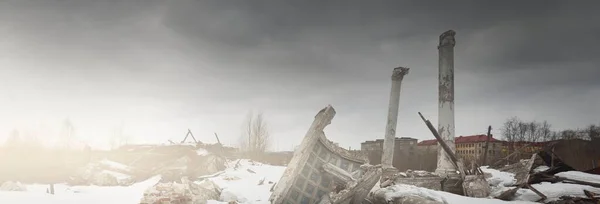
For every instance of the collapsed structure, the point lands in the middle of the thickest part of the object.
(321, 171)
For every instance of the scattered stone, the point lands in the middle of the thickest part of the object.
(476, 187)
(185, 192)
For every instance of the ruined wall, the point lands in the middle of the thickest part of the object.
(579, 154)
(405, 153)
(312, 184)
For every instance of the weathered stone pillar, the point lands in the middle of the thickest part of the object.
(390, 130)
(446, 101)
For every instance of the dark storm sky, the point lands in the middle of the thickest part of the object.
(160, 67)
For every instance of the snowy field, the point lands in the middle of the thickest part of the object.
(242, 185)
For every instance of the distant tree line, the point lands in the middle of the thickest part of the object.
(517, 130)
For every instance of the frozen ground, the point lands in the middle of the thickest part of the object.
(78, 194)
(500, 181)
(237, 184)
(580, 176)
(405, 190)
(242, 184)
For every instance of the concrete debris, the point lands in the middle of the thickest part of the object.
(423, 179)
(12, 186)
(310, 174)
(357, 191)
(103, 173)
(476, 186)
(404, 194)
(412, 174)
(135, 163)
(186, 192)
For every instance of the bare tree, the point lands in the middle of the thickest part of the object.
(545, 131)
(568, 134)
(255, 134)
(532, 131)
(522, 130)
(510, 130)
(260, 139)
(245, 138)
(118, 138)
(593, 132)
(68, 134)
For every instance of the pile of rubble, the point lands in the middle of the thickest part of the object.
(131, 164)
(183, 192)
(103, 173)
(547, 168)
(178, 165)
(12, 186)
(322, 173)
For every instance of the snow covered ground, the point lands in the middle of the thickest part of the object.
(242, 184)
(239, 184)
(78, 194)
(500, 181)
(408, 190)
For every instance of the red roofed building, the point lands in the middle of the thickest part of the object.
(470, 148)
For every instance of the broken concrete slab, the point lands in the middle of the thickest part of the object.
(303, 180)
(476, 186)
(423, 179)
(357, 189)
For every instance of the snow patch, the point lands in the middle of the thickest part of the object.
(580, 176)
(499, 178)
(202, 152)
(540, 169)
(554, 191)
(242, 186)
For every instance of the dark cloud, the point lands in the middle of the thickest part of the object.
(191, 61)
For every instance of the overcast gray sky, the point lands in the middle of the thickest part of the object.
(160, 67)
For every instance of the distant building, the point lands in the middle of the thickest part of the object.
(405, 152)
(469, 148)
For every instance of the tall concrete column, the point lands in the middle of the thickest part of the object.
(446, 101)
(387, 157)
